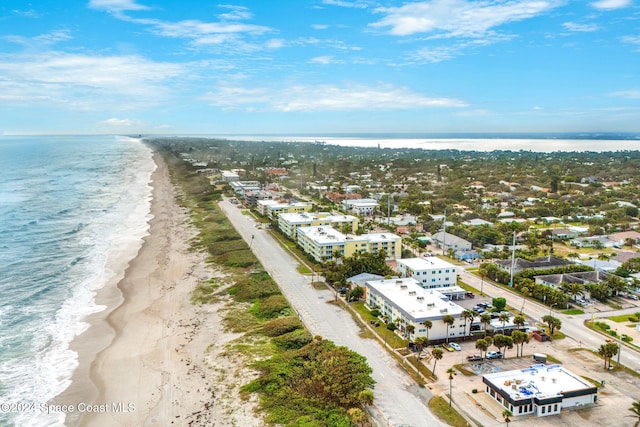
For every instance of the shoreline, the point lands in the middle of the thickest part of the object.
(151, 357)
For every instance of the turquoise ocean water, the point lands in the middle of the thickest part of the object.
(73, 212)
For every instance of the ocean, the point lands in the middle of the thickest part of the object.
(73, 213)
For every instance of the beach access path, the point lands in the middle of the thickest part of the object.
(398, 399)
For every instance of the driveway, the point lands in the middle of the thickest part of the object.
(398, 400)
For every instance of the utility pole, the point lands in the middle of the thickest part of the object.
(444, 232)
(513, 259)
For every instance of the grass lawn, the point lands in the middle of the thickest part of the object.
(440, 408)
(623, 318)
(573, 311)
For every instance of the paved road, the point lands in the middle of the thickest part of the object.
(397, 398)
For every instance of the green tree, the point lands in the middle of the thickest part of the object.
(428, 324)
(468, 316)
(451, 373)
(448, 320)
(502, 342)
(519, 339)
(499, 303)
(553, 323)
(519, 321)
(485, 319)
(503, 318)
(410, 329)
(421, 343)
(608, 351)
(437, 355)
(507, 414)
(482, 345)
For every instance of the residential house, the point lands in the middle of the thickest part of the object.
(447, 241)
(361, 207)
(289, 223)
(541, 263)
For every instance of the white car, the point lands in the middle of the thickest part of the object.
(455, 346)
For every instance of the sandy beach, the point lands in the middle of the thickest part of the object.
(154, 358)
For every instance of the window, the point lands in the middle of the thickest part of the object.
(544, 408)
(555, 408)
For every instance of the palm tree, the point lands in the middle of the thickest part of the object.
(635, 408)
(449, 320)
(451, 373)
(437, 355)
(485, 319)
(421, 343)
(519, 338)
(519, 321)
(503, 318)
(468, 315)
(482, 345)
(483, 273)
(410, 329)
(428, 324)
(506, 414)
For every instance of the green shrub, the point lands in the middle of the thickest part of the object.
(255, 286)
(293, 340)
(270, 307)
(375, 312)
(280, 326)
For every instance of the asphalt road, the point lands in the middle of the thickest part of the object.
(398, 400)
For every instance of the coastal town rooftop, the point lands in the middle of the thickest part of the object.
(539, 382)
(408, 296)
(430, 263)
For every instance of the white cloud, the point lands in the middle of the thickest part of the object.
(435, 54)
(628, 94)
(83, 82)
(634, 40)
(275, 43)
(611, 4)
(350, 4)
(580, 28)
(319, 26)
(236, 13)
(120, 123)
(460, 18)
(307, 98)
(116, 5)
(324, 60)
(54, 37)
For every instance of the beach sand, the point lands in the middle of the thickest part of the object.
(155, 358)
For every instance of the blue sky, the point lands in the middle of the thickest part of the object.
(319, 66)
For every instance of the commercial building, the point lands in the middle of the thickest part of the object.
(272, 210)
(406, 301)
(540, 390)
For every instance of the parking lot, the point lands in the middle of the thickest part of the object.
(620, 391)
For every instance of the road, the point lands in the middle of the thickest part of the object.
(398, 400)
(572, 325)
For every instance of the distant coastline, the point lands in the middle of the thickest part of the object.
(481, 142)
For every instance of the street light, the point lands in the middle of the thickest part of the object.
(619, 347)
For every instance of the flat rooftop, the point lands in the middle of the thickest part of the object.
(417, 302)
(539, 381)
(419, 264)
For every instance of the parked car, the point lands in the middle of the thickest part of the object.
(479, 310)
(474, 358)
(447, 347)
(455, 346)
(494, 355)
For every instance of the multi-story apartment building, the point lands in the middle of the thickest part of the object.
(289, 223)
(325, 243)
(407, 302)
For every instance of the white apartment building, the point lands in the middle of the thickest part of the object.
(361, 207)
(431, 272)
(323, 242)
(289, 223)
(406, 300)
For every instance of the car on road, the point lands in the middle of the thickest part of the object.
(455, 346)
(474, 358)
(494, 355)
